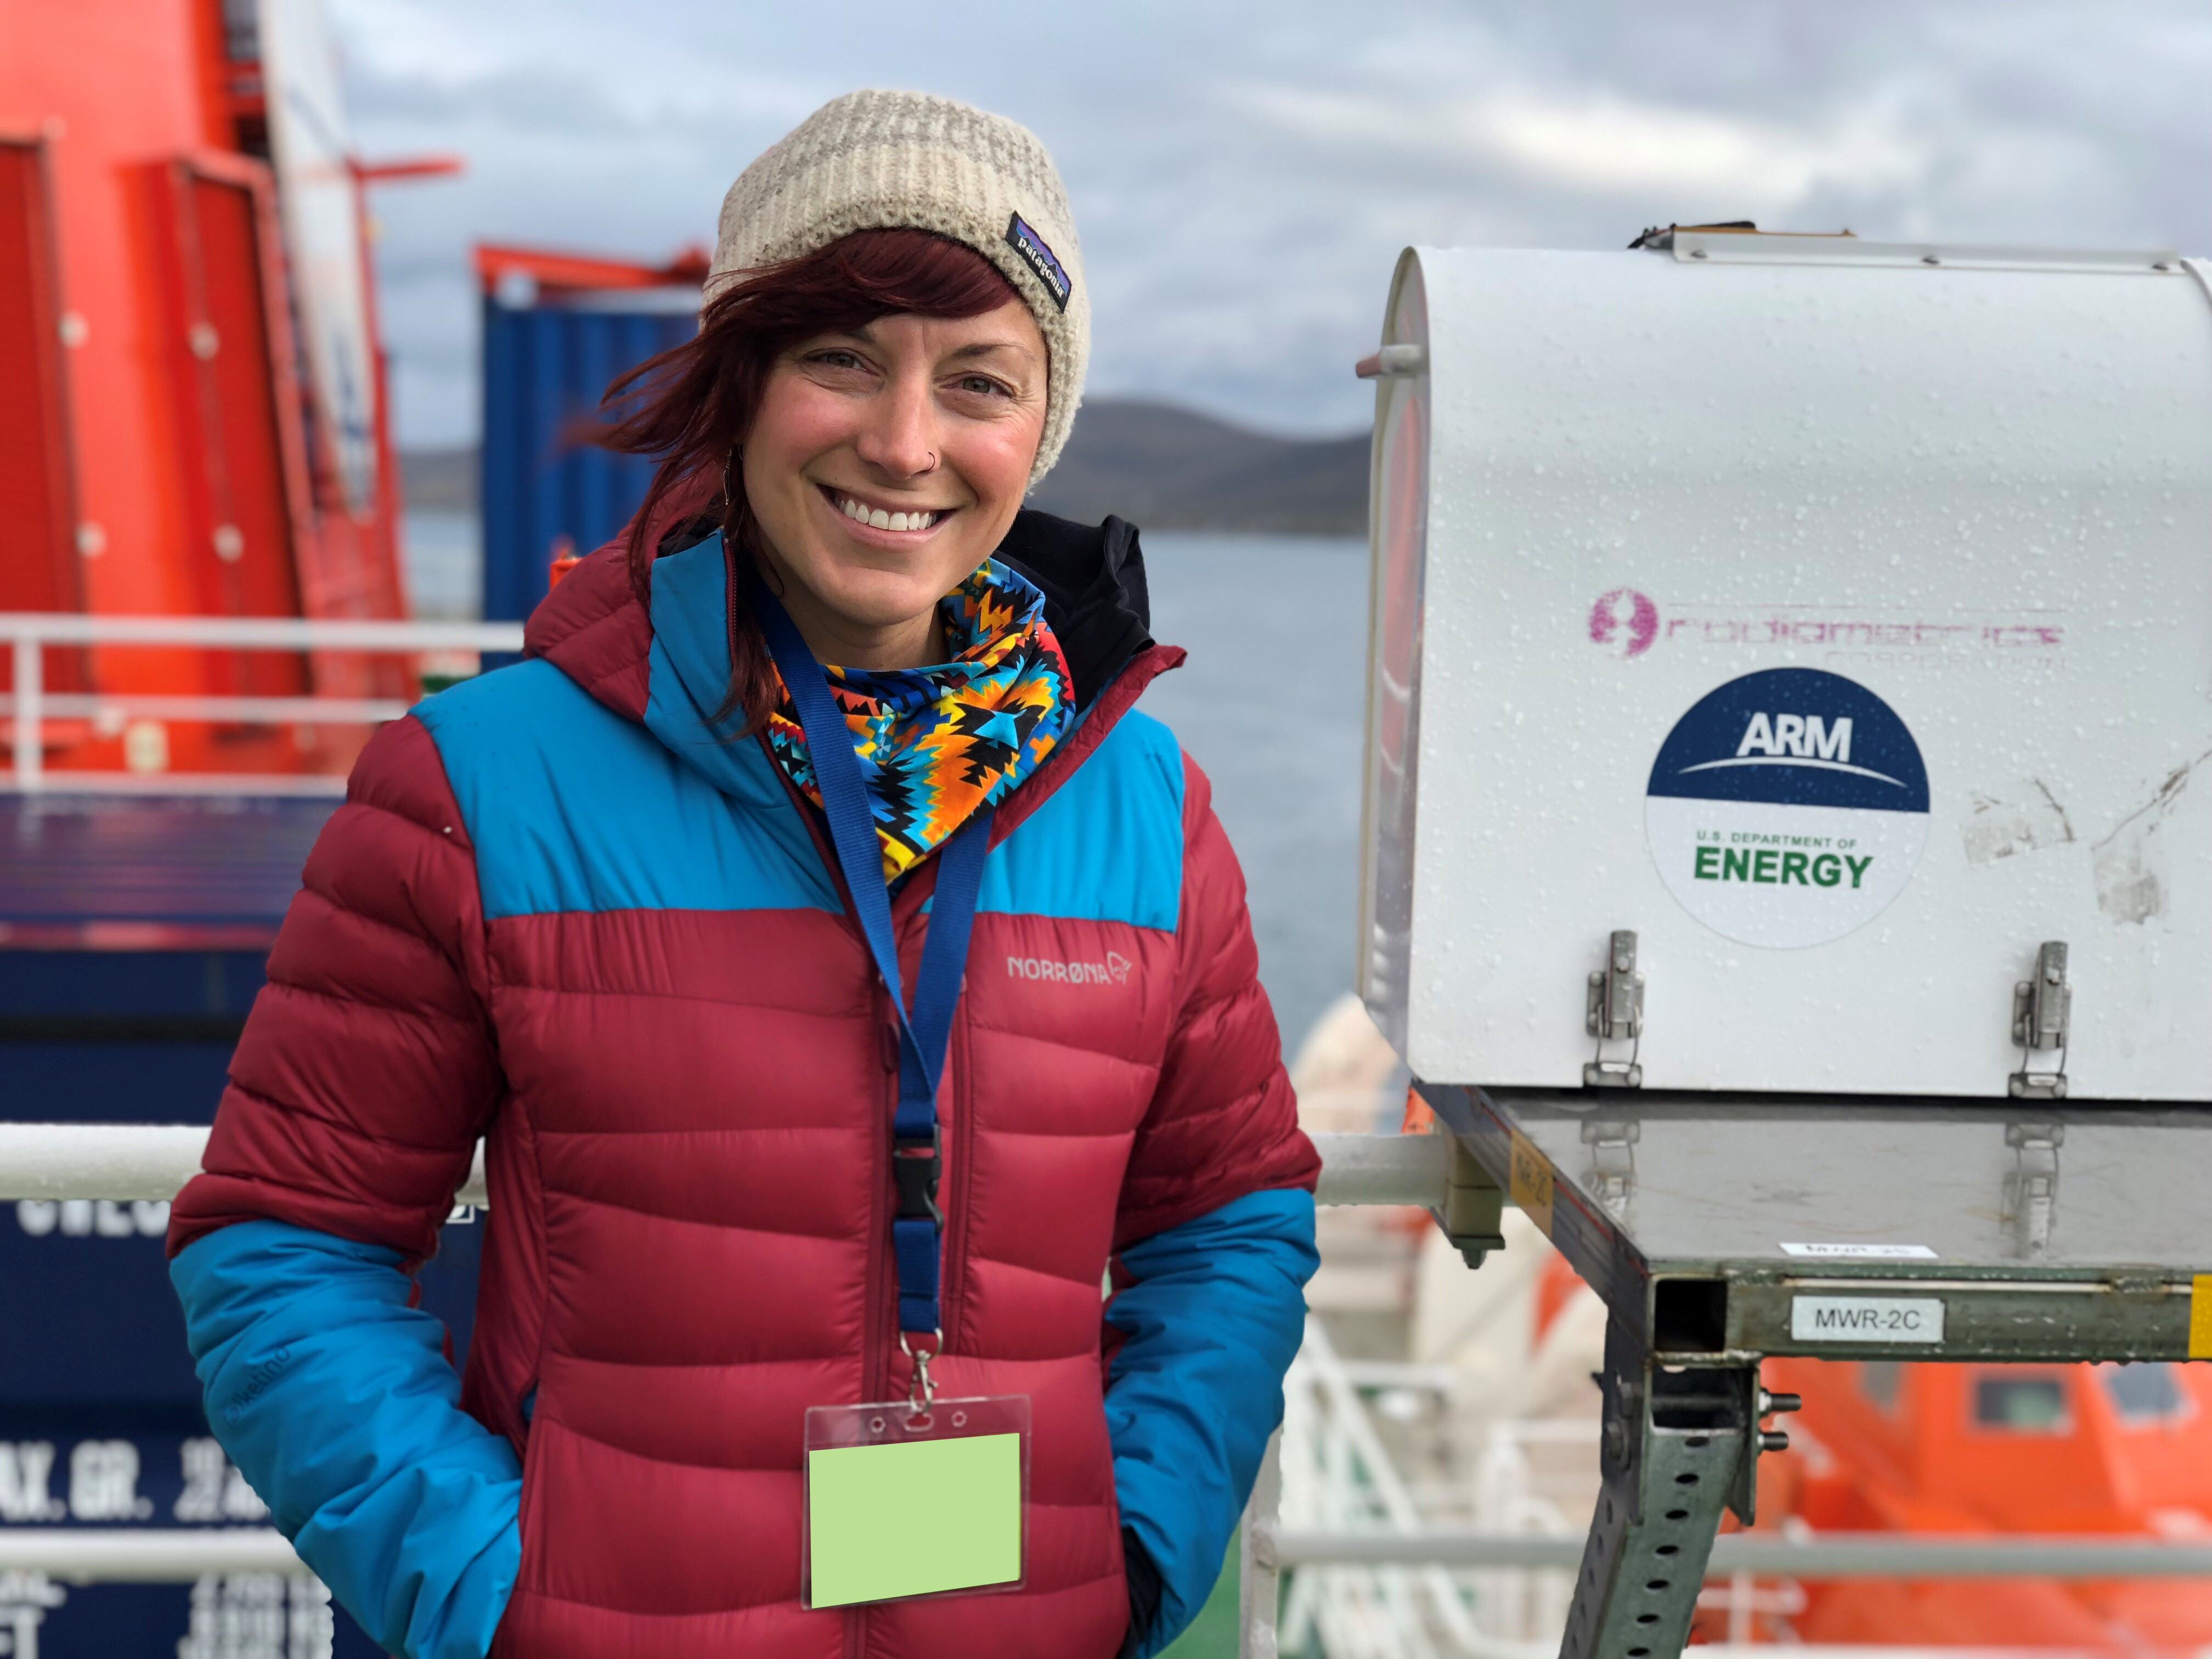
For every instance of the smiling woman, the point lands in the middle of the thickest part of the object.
(873, 413)
(789, 1339)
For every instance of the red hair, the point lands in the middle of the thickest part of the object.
(691, 407)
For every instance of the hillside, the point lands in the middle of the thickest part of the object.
(1165, 468)
(1159, 467)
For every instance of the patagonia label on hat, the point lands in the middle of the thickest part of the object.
(1031, 246)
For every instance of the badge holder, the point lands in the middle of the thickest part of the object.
(915, 1498)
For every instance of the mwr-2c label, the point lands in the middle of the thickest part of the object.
(1884, 1319)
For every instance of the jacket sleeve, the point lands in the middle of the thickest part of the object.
(365, 1074)
(335, 1400)
(1223, 1122)
(1212, 1312)
(1214, 1241)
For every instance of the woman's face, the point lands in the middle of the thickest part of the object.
(885, 464)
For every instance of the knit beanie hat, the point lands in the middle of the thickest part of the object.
(883, 160)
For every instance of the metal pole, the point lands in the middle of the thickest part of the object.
(121, 1161)
(137, 1160)
(88, 1555)
(30, 710)
(1411, 1170)
(1831, 1555)
(1259, 1591)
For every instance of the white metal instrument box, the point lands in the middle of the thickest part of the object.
(1833, 618)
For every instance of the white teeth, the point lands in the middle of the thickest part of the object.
(880, 519)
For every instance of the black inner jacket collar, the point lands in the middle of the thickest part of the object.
(1092, 577)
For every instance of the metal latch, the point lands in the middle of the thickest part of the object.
(1616, 1015)
(2042, 1018)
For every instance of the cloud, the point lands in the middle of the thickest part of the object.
(1244, 177)
(1614, 145)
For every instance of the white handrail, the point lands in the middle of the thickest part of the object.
(259, 633)
(144, 1555)
(119, 1162)
(74, 705)
(124, 1161)
(28, 633)
(1824, 1555)
(48, 1162)
(148, 1555)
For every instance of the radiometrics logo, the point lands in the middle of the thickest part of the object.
(1625, 620)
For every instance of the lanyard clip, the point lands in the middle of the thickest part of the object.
(922, 1392)
(915, 1166)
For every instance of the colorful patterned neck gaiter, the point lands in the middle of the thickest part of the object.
(937, 743)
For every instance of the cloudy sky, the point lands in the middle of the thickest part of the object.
(1244, 175)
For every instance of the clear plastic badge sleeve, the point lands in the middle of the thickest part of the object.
(904, 1501)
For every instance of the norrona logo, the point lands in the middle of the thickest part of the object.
(1115, 970)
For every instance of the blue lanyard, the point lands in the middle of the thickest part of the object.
(917, 1160)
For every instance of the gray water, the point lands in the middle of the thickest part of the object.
(1270, 705)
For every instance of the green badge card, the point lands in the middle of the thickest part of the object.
(902, 1503)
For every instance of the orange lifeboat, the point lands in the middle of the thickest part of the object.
(2114, 1449)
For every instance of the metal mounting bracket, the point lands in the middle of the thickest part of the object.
(1473, 1214)
(2042, 1018)
(1614, 1012)
(1680, 1444)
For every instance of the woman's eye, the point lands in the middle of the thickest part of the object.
(980, 384)
(837, 360)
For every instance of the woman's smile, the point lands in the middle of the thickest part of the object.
(882, 523)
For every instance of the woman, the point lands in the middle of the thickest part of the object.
(642, 911)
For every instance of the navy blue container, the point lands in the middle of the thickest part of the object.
(132, 940)
(547, 360)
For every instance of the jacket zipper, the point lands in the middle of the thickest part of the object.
(957, 1166)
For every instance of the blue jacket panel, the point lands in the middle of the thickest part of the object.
(336, 1400)
(1212, 1319)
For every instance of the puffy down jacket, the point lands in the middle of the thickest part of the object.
(557, 910)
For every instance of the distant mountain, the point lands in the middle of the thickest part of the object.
(1165, 468)
(1159, 467)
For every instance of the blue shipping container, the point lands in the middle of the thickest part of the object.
(546, 363)
(132, 936)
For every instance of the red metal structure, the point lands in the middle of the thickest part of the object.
(194, 420)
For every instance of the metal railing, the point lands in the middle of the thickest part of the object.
(125, 1160)
(1354, 1518)
(30, 705)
